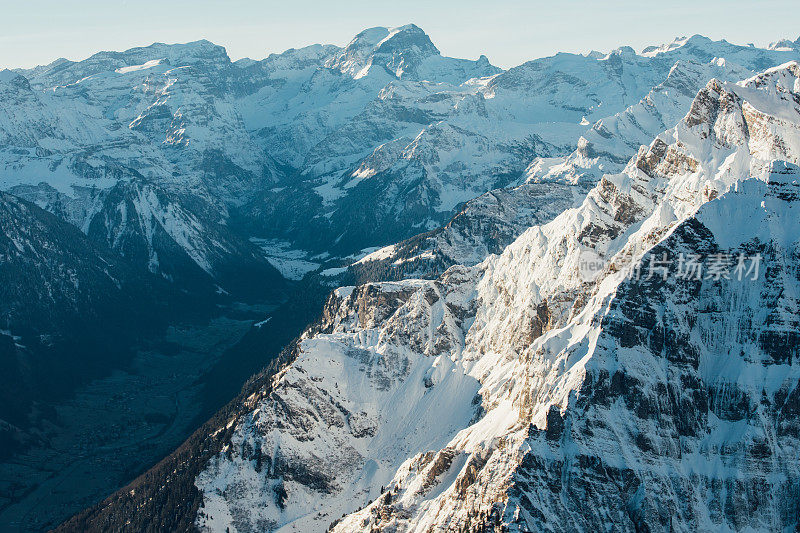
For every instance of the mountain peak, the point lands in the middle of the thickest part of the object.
(623, 51)
(677, 42)
(368, 38)
(190, 52)
(406, 38)
(196, 53)
(387, 40)
(784, 44)
(14, 79)
(398, 50)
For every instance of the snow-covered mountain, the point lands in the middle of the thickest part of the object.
(324, 149)
(521, 393)
(413, 155)
(484, 226)
(103, 144)
(499, 384)
(492, 221)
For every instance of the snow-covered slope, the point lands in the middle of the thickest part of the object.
(608, 144)
(524, 392)
(484, 226)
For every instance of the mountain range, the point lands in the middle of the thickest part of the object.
(465, 372)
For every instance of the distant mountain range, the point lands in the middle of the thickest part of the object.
(327, 150)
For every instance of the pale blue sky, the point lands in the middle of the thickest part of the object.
(508, 31)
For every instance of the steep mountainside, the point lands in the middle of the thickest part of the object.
(514, 392)
(484, 226)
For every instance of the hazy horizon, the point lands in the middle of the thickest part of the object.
(509, 33)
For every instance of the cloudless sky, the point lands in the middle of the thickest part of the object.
(508, 31)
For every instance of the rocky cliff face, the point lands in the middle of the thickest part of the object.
(527, 394)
